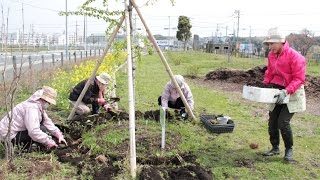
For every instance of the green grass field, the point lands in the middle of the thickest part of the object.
(221, 152)
(228, 156)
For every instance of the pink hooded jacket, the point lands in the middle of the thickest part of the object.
(288, 69)
(170, 94)
(27, 116)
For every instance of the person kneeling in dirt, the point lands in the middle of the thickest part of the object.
(286, 71)
(93, 96)
(171, 98)
(30, 121)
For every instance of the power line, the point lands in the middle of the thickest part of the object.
(282, 14)
(37, 7)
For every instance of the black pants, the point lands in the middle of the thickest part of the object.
(177, 105)
(95, 108)
(279, 119)
(23, 139)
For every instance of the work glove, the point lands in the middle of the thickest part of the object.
(51, 144)
(106, 108)
(281, 96)
(101, 101)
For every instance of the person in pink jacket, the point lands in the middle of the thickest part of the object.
(29, 118)
(171, 98)
(286, 71)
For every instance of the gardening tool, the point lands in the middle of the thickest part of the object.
(163, 126)
(114, 99)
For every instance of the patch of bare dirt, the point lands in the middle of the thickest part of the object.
(255, 77)
(151, 173)
(233, 81)
(106, 172)
(190, 172)
(108, 166)
(182, 167)
(37, 168)
(251, 76)
(33, 167)
(155, 115)
(248, 163)
(79, 157)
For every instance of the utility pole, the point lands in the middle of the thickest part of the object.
(250, 35)
(33, 37)
(226, 31)
(2, 27)
(7, 34)
(211, 44)
(250, 45)
(237, 12)
(212, 38)
(76, 39)
(169, 28)
(85, 32)
(217, 30)
(22, 26)
(135, 30)
(66, 30)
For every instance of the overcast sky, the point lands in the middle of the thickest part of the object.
(208, 17)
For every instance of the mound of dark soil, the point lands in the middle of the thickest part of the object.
(107, 166)
(105, 173)
(254, 77)
(312, 86)
(151, 173)
(78, 157)
(190, 172)
(181, 167)
(173, 161)
(155, 115)
(251, 76)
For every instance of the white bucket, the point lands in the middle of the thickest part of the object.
(222, 120)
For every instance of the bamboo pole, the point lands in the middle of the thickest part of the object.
(133, 166)
(163, 59)
(93, 74)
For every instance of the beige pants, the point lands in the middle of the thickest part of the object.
(82, 108)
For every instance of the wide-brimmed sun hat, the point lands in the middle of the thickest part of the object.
(104, 78)
(49, 94)
(179, 79)
(274, 36)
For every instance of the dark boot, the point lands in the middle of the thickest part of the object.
(288, 156)
(274, 151)
(274, 137)
(287, 137)
(288, 143)
(275, 140)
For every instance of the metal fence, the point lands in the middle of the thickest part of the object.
(42, 61)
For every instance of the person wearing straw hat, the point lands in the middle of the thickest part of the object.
(30, 121)
(286, 71)
(93, 96)
(171, 98)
